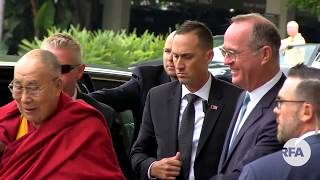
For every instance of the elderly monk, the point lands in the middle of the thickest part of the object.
(47, 135)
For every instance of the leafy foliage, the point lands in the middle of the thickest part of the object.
(117, 49)
(45, 15)
(312, 6)
(25, 19)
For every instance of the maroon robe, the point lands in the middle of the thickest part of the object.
(74, 143)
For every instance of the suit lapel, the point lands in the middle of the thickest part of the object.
(173, 110)
(230, 130)
(253, 117)
(256, 113)
(213, 111)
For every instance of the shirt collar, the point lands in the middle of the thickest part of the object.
(203, 92)
(258, 93)
(307, 134)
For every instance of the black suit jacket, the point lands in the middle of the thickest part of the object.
(256, 138)
(158, 135)
(273, 166)
(106, 110)
(132, 94)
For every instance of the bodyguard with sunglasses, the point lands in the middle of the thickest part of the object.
(69, 54)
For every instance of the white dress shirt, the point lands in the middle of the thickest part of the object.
(203, 94)
(255, 96)
(307, 134)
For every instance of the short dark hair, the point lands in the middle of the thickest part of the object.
(264, 32)
(203, 33)
(304, 72)
(309, 88)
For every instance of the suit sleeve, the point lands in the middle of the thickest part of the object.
(124, 97)
(248, 173)
(143, 152)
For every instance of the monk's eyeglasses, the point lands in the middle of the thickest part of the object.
(33, 90)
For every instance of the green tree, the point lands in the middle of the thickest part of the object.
(312, 6)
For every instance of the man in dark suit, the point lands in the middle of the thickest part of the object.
(297, 114)
(251, 50)
(132, 94)
(69, 54)
(158, 151)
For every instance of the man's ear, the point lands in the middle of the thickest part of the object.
(59, 86)
(81, 71)
(210, 55)
(308, 112)
(266, 54)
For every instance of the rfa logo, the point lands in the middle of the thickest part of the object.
(296, 152)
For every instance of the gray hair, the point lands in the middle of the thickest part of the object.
(264, 32)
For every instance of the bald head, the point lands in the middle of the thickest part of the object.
(292, 28)
(37, 85)
(167, 56)
(38, 57)
(171, 35)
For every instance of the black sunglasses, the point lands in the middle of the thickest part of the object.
(66, 68)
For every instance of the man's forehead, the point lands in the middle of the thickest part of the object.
(66, 55)
(289, 86)
(184, 42)
(26, 79)
(32, 77)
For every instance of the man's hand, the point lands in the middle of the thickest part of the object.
(166, 168)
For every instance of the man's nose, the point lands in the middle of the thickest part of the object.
(25, 96)
(276, 110)
(170, 57)
(228, 60)
(178, 63)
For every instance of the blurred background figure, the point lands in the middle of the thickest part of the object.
(296, 55)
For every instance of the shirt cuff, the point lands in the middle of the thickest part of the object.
(149, 171)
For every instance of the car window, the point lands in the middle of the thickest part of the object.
(218, 40)
(298, 53)
(316, 62)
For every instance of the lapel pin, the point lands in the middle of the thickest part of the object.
(213, 107)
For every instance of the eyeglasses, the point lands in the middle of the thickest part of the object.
(66, 68)
(32, 90)
(228, 53)
(280, 101)
(234, 54)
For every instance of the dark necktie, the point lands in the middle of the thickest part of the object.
(186, 135)
(236, 129)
